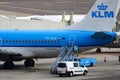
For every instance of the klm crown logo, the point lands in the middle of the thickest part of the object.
(102, 7)
(102, 12)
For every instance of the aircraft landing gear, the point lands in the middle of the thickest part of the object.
(29, 63)
(98, 50)
(8, 64)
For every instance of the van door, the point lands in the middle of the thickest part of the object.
(76, 68)
(80, 69)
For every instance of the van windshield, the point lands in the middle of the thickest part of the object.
(63, 65)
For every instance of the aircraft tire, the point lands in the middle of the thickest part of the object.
(8, 65)
(29, 63)
(98, 50)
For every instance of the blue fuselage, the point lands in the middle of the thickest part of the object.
(52, 38)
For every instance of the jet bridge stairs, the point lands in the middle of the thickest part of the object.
(64, 55)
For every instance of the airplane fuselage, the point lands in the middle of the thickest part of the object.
(52, 38)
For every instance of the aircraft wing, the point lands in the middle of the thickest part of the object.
(14, 52)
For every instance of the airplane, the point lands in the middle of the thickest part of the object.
(18, 45)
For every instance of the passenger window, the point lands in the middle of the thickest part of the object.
(9, 41)
(51, 41)
(6, 41)
(44, 41)
(22, 41)
(41, 41)
(32, 41)
(38, 41)
(13, 41)
(35, 41)
(75, 64)
(26, 41)
(19, 41)
(16, 41)
(48, 41)
(2, 41)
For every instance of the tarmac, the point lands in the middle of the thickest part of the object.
(109, 70)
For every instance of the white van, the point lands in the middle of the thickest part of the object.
(71, 68)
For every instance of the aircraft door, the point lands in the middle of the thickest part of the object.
(71, 40)
(0, 42)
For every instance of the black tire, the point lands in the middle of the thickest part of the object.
(91, 64)
(84, 73)
(32, 63)
(29, 63)
(70, 74)
(60, 75)
(8, 65)
(98, 50)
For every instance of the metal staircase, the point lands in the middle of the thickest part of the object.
(68, 54)
(63, 56)
(59, 58)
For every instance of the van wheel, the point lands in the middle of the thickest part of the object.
(84, 73)
(60, 75)
(70, 74)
